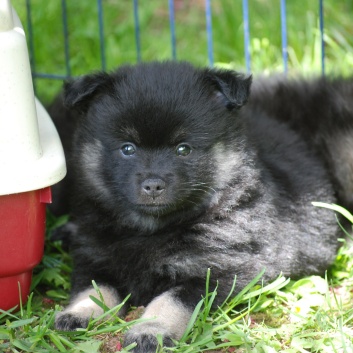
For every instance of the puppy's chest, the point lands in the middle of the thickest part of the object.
(170, 257)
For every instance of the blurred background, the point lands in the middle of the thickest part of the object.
(44, 24)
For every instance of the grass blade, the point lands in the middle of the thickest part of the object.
(336, 208)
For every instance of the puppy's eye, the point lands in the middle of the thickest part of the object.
(128, 149)
(183, 150)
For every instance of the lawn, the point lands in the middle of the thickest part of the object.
(84, 48)
(314, 314)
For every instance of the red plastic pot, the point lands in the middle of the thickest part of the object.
(31, 160)
(22, 228)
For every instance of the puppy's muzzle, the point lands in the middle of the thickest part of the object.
(153, 187)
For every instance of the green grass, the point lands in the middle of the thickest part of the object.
(303, 35)
(313, 314)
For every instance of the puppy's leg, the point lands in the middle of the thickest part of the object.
(82, 308)
(169, 318)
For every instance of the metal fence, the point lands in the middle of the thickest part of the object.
(174, 47)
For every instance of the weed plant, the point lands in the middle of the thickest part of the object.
(313, 314)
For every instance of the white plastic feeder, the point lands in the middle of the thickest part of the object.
(31, 160)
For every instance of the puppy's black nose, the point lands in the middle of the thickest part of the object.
(153, 187)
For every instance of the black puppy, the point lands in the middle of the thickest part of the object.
(170, 177)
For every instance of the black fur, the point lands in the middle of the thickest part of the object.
(240, 201)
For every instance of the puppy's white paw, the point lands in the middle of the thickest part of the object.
(82, 308)
(169, 318)
(70, 321)
(145, 337)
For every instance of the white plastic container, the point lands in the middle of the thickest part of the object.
(31, 155)
(31, 160)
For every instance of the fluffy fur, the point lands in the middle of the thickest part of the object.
(171, 173)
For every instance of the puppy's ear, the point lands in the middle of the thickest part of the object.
(78, 92)
(232, 88)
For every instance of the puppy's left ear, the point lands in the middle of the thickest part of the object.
(232, 88)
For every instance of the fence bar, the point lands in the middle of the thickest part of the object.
(49, 76)
(66, 38)
(321, 15)
(31, 41)
(246, 35)
(284, 35)
(208, 11)
(172, 28)
(101, 34)
(137, 30)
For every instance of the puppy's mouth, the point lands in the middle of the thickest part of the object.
(155, 209)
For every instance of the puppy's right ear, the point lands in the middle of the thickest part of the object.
(79, 92)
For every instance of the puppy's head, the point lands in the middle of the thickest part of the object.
(156, 142)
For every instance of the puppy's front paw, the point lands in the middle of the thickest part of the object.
(145, 337)
(82, 308)
(70, 322)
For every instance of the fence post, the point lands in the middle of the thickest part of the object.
(208, 11)
(321, 16)
(246, 35)
(284, 35)
(66, 38)
(137, 30)
(172, 28)
(101, 34)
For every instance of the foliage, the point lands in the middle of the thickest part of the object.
(313, 314)
(304, 47)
